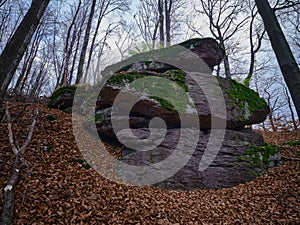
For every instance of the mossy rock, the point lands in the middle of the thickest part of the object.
(62, 98)
(245, 104)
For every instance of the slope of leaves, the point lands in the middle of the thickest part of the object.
(59, 190)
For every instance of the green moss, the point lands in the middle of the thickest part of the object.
(294, 143)
(245, 98)
(247, 82)
(61, 90)
(259, 155)
(179, 77)
(164, 103)
(122, 78)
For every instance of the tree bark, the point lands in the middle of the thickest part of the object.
(161, 23)
(168, 8)
(284, 55)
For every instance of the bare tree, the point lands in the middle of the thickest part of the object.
(70, 41)
(284, 55)
(224, 21)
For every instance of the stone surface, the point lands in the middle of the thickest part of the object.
(226, 170)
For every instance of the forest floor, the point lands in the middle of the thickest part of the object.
(57, 189)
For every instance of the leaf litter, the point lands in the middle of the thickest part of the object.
(59, 190)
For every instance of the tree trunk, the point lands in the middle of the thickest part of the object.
(284, 55)
(85, 43)
(16, 47)
(291, 109)
(168, 21)
(161, 23)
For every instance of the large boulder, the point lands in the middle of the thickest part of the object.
(128, 107)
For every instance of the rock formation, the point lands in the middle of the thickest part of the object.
(127, 111)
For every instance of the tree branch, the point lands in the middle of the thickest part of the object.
(9, 189)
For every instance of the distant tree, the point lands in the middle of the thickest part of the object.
(286, 60)
(256, 35)
(85, 42)
(159, 20)
(224, 21)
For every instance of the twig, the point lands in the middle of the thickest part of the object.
(290, 159)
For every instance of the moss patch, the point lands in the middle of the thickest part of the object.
(122, 78)
(245, 98)
(171, 95)
(259, 155)
(164, 103)
(179, 77)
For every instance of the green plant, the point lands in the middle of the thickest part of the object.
(51, 117)
(97, 118)
(247, 82)
(49, 147)
(84, 163)
(294, 143)
(298, 154)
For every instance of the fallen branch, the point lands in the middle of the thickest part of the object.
(9, 189)
(290, 159)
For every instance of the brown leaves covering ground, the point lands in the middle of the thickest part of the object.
(59, 190)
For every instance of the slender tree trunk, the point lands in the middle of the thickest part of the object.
(291, 108)
(85, 43)
(161, 23)
(16, 47)
(226, 59)
(284, 55)
(168, 8)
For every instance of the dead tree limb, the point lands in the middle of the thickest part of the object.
(9, 190)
